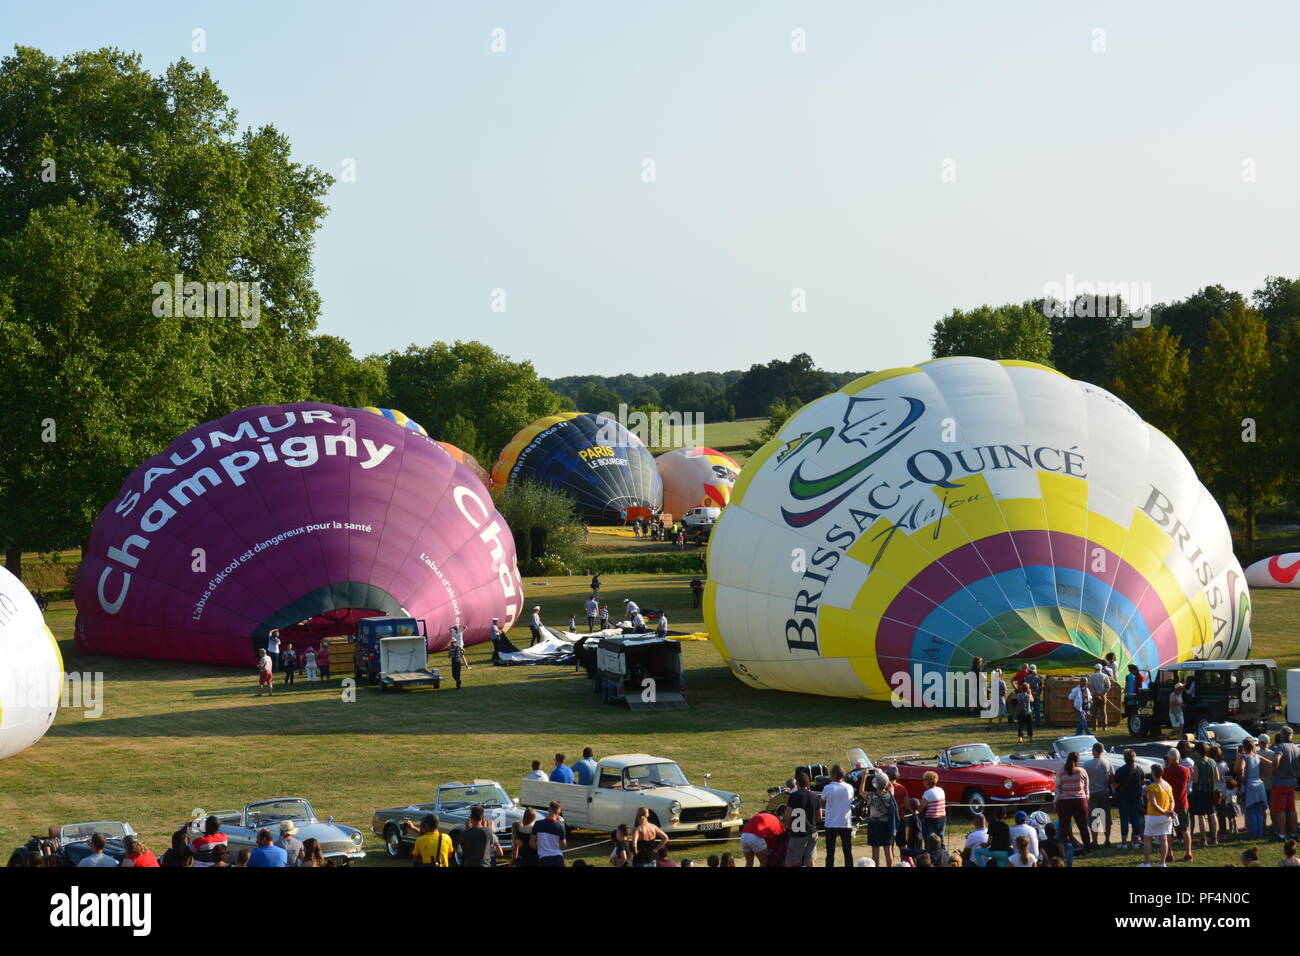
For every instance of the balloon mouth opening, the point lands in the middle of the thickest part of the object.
(1050, 652)
(340, 622)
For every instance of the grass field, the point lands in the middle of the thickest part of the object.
(176, 737)
(729, 437)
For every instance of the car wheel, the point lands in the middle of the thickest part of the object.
(977, 799)
(393, 841)
(1137, 725)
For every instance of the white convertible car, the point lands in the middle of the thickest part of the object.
(339, 843)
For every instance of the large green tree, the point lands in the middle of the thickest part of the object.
(435, 383)
(340, 378)
(1240, 442)
(1152, 374)
(794, 383)
(112, 182)
(994, 332)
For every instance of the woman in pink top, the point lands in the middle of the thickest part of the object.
(1072, 800)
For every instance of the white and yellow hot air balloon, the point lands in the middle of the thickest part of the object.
(31, 669)
(922, 517)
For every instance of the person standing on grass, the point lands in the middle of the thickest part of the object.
(323, 660)
(1176, 708)
(524, 853)
(595, 587)
(697, 592)
(1072, 800)
(478, 844)
(201, 846)
(759, 836)
(799, 817)
(661, 629)
(1250, 782)
(267, 853)
(273, 646)
(289, 660)
(593, 613)
(1079, 698)
(1128, 800)
(264, 673)
(309, 662)
(604, 617)
(1024, 712)
(1158, 798)
(1286, 765)
(647, 840)
(289, 843)
(837, 802)
(1200, 802)
(934, 806)
(1179, 779)
(882, 819)
(456, 650)
(1101, 783)
(1035, 682)
(1099, 687)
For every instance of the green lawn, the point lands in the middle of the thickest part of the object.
(729, 437)
(175, 737)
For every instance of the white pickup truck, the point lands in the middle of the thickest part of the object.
(629, 781)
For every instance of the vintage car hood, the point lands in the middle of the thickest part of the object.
(999, 771)
(686, 796)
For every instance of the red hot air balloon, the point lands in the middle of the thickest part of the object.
(304, 516)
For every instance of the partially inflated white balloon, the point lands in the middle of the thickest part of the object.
(31, 669)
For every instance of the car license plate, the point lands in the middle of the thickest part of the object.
(709, 826)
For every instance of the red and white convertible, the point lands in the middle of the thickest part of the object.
(972, 774)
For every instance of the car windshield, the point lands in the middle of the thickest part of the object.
(480, 794)
(1081, 745)
(273, 811)
(970, 755)
(644, 775)
(78, 832)
(1226, 732)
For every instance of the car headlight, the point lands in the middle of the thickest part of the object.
(674, 808)
(735, 801)
(1009, 783)
(356, 839)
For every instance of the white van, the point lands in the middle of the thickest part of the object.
(701, 517)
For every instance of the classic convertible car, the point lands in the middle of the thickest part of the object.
(1054, 759)
(972, 774)
(72, 845)
(858, 765)
(451, 804)
(338, 843)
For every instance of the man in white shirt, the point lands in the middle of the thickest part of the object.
(661, 629)
(1025, 829)
(538, 773)
(535, 623)
(630, 607)
(98, 857)
(456, 650)
(978, 840)
(638, 622)
(592, 609)
(837, 801)
(273, 647)
(1079, 698)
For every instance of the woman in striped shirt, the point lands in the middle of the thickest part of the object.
(1072, 800)
(934, 806)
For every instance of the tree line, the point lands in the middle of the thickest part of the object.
(1218, 372)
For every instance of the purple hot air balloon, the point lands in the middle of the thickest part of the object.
(301, 517)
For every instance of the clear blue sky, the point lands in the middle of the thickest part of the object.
(775, 170)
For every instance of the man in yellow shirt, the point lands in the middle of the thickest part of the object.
(1159, 799)
(432, 846)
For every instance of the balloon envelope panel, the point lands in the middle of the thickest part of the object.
(276, 515)
(468, 460)
(922, 517)
(696, 477)
(31, 669)
(597, 462)
(1279, 571)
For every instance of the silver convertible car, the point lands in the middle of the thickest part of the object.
(1062, 747)
(451, 804)
(338, 843)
